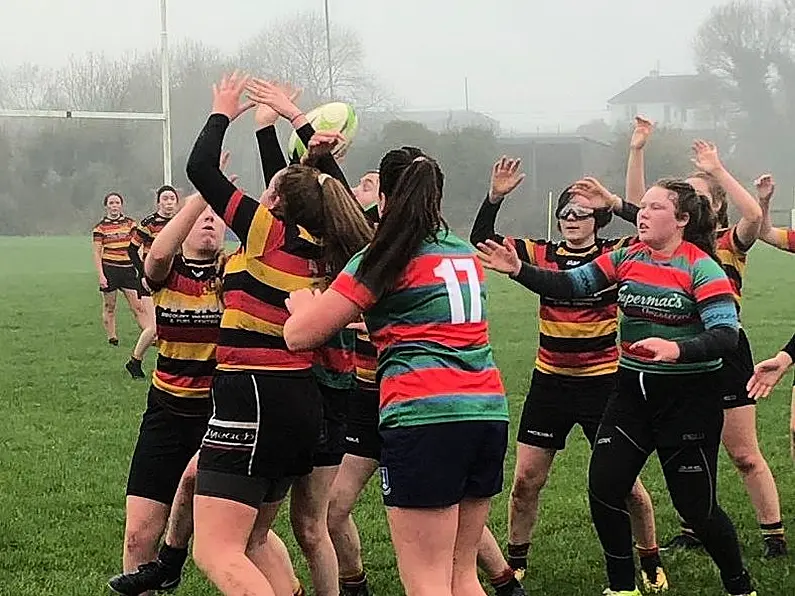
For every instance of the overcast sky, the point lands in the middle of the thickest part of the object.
(529, 62)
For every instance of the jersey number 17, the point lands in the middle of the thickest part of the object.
(447, 270)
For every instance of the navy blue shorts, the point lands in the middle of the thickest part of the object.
(439, 465)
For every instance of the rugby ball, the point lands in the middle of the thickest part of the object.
(337, 116)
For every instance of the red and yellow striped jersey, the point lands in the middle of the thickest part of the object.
(147, 230)
(188, 312)
(785, 239)
(733, 257)
(577, 337)
(114, 235)
(334, 362)
(365, 359)
(274, 259)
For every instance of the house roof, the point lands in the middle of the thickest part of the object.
(673, 89)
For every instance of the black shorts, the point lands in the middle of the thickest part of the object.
(120, 278)
(438, 465)
(264, 431)
(737, 369)
(166, 443)
(331, 445)
(361, 435)
(660, 410)
(555, 403)
(142, 291)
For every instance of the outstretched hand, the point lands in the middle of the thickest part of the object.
(767, 374)
(641, 133)
(227, 96)
(765, 187)
(592, 193)
(273, 95)
(500, 257)
(322, 143)
(706, 157)
(265, 115)
(505, 177)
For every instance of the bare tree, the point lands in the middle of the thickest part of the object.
(294, 50)
(750, 48)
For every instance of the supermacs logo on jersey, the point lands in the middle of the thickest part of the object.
(668, 305)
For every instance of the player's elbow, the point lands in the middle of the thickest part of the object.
(753, 215)
(296, 335)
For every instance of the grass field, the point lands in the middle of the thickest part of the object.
(70, 415)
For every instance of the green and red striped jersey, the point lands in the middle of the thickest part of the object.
(674, 298)
(435, 363)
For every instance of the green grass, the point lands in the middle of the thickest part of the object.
(69, 416)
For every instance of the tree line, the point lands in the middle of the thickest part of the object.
(55, 172)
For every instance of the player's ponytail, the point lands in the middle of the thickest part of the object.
(324, 208)
(345, 228)
(702, 220)
(412, 185)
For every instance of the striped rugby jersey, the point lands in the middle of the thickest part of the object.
(577, 337)
(273, 260)
(733, 257)
(435, 363)
(147, 230)
(334, 362)
(188, 312)
(785, 239)
(365, 359)
(114, 235)
(673, 298)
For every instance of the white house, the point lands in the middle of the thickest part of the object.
(689, 102)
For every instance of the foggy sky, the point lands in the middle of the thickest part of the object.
(529, 62)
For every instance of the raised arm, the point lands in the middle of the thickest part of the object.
(506, 175)
(781, 238)
(204, 169)
(706, 159)
(580, 282)
(281, 100)
(169, 241)
(265, 118)
(636, 177)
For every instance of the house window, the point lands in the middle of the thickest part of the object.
(684, 115)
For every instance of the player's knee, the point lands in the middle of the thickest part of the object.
(528, 485)
(108, 309)
(748, 462)
(309, 532)
(337, 515)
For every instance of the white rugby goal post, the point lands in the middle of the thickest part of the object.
(163, 116)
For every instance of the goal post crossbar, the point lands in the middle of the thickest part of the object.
(164, 117)
(68, 114)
